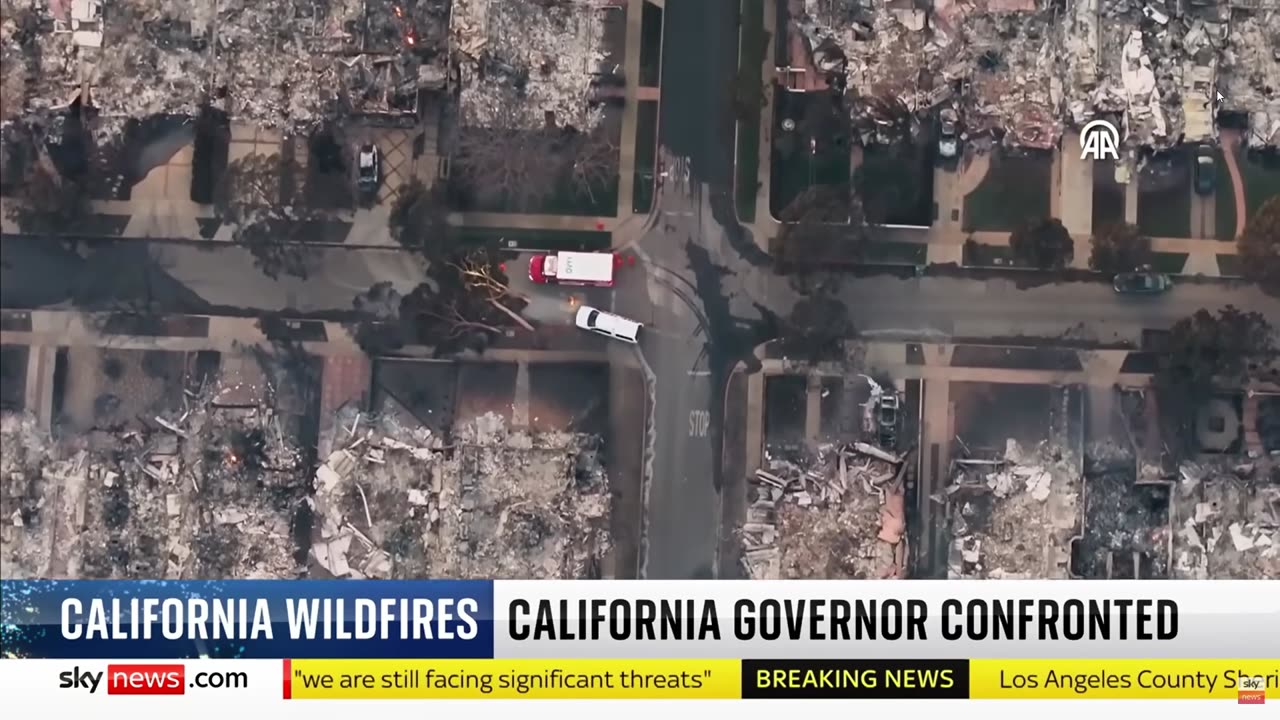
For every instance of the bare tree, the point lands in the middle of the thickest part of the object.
(511, 165)
(249, 199)
(467, 303)
(480, 275)
(595, 162)
(522, 168)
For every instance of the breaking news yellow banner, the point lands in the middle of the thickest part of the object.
(1245, 681)
(1241, 681)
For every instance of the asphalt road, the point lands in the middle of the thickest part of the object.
(186, 277)
(700, 46)
(923, 308)
(694, 310)
(694, 327)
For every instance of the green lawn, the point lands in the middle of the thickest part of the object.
(1169, 262)
(1015, 190)
(1108, 195)
(982, 255)
(650, 45)
(1229, 265)
(1260, 183)
(566, 200)
(893, 252)
(748, 169)
(1224, 203)
(794, 166)
(528, 239)
(646, 154)
(1165, 213)
(753, 43)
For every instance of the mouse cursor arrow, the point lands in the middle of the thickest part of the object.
(1221, 99)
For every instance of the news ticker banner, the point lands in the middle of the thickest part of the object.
(639, 619)
(1241, 681)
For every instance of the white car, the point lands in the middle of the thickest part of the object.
(607, 324)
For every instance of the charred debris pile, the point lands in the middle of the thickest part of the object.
(837, 512)
(1020, 71)
(224, 487)
(1013, 514)
(210, 489)
(394, 500)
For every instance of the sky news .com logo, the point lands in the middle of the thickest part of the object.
(149, 679)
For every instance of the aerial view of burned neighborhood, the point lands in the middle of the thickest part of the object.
(670, 289)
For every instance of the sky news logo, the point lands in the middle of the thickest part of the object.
(1251, 691)
(132, 679)
(148, 679)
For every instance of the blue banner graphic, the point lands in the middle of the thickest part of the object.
(246, 619)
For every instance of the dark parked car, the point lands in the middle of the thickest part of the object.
(368, 169)
(1206, 170)
(1141, 282)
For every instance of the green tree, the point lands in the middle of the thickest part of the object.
(816, 329)
(1118, 248)
(1206, 351)
(419, 220)
(49, 204)
(824, 224)
(1260, 247)
(250, 199)
(1043, 244)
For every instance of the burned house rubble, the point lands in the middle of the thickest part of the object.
(837, 512)
(994, 61)
(525, 65)
(392, 500)
(1023, 70)
(1013, 514)
(208, 489)
(1126, 517)
(275, 64)
(1250, 69)
(1226, 520)
(221, 487)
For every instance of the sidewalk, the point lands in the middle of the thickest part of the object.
(765, 225)
(58, 328)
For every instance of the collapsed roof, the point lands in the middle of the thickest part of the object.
(392, 500)
(1226, 518)
(1024, 68)
(1250, 77)
(278, 63)
(521, 63)
(996, 59)
(1013, 515)
(838, 513)
(208, 490)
